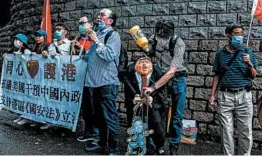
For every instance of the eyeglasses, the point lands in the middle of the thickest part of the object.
(59, 29)
(238, 33)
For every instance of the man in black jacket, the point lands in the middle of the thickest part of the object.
(137, 76)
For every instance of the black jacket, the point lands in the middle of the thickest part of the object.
(132, 88)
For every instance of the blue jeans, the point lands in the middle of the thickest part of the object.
(178, 105)
(106, 115)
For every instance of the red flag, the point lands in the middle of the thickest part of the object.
(46, 24)
(257, 9)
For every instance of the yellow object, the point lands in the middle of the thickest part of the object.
(139, 36)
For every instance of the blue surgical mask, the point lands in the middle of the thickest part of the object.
(101, 26)
(237, 41)
(58, 34)
(82, 29)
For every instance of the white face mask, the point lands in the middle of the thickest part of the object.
(17, 43)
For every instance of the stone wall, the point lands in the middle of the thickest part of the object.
(200, 23)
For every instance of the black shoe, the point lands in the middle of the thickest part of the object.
(88, 137)
(173, 149)
(93, 146)
(160, 151)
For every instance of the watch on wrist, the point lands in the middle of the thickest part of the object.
(153, 87)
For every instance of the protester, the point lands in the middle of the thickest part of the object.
(41, 45)
(234, 68)
(20, 44)
(82, 47)
(102, 77)
(168, 50)
(145, 71)
(61, 45)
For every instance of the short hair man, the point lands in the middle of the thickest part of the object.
(61, 45)
(102, 77)
(234, 91)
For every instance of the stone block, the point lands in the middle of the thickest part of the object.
(208, 81)
(196, 7)
(256, 124)
(226, 19)
(195, 80)
(178, 8)
(207, 45)
(187, 114)
(203, 116)
(182, 32)
(72, 25)
(204, 69)
(198, 33)
(216, 6)
(89, 13)
(57, 8)
(217, 33)
(198, 57)
(206, 20)
(150, 21)
(93, 4)
(137, 20)
(191, 45)
(69, 6)
(122, 22)
(256, 33)
(138, 1)
(144, 9)
(190, 92)
(213, 130)
(160, 9)
(75, 15)
(198, 105)
(191, 68)
(257, 135)
(202, 128)
(237, 6)
(202, 93)
(63, 16)
(122, 2)
(187, 20)
(257, 83)
(128, 11)
(107, 3)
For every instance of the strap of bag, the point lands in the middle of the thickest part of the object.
(229, 64)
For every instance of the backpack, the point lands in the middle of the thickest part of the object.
(172, 44)
(123, 58)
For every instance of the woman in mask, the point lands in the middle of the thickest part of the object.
(40, 42)
(20, 44)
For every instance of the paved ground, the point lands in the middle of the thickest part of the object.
(24, 140)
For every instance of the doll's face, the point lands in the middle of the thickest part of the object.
(138, 126)
(144, 67)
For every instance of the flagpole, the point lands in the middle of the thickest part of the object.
(249, 31)
(252, 17)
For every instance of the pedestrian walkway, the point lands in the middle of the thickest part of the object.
(25, 140)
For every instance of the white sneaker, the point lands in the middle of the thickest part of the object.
(45, 126)
(17, 120)
(33, 124)
(22, 122)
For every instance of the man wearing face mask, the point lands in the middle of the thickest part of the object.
(168, 50)
(61, 45)
(83, 47)
(102, 77)
(234, 67)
